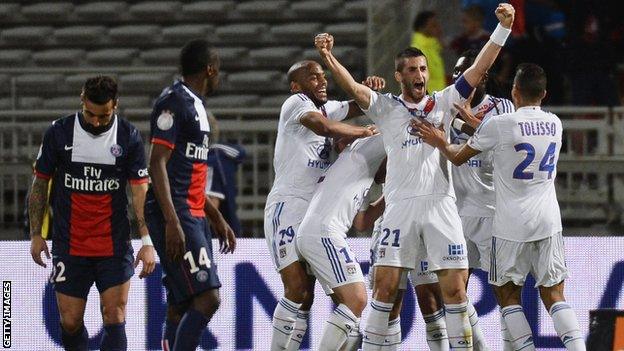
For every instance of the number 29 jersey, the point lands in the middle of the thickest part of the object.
(525, 146)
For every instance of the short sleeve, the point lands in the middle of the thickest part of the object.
(378, 107)
(296, 106)
(214, 185)
(486, 137)
(47, 158)
(456, 93)
(165, 120)
(137, 170)
(336, 110)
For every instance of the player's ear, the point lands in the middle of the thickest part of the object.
(115, 103)
(295, 87)
(211, 70)
(397, 76)
(543, 94)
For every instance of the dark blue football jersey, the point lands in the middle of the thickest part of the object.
(90, 173)
(179, 122)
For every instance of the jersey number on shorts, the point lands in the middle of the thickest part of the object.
(58, 272)
(384, 240)
(203, 259)
(289, 233)
(546, 165)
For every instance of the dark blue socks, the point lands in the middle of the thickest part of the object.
(75, 342)
(190, 330)
(169, 335)
(114, 338)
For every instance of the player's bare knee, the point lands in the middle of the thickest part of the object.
(454, 294)
(550, 295)
(357, 303)
(207, 303)
(71, 325)
(114, 314)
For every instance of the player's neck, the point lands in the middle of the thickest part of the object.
(196, 84)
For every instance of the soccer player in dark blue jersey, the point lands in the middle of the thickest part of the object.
(176, 206)
(91, 155)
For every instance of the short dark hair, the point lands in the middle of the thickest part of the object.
(421, 19)
(530, 80)
(399, 59)
(196, 55)
(470, 55)
(100, 89)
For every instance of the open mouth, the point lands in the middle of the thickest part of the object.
(419, 85)
(322, 91)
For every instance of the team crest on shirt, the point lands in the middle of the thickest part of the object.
(382, 252)
(165, 120)
(116, 150)
(202, 276)
(351, 270)
(282, 252)
(323, 151)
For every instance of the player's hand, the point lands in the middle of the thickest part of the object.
(175, 245)
(505, 14)
(466, 114)
(375, 83)
(324, 43)
(368, 130)
(146, 255)
(429, 133)
(38, 245)
(225, 234)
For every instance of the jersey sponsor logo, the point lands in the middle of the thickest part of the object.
(474, 163)
(411, 141)
(165, 120)
(456, 253)
(198, 152)
(68, 147)
(91, 181)
(323, 151)
(320, 164)
(537, 128)
(143, 172)
(115, 150)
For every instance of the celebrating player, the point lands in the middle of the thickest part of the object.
(527, 222)
(91, 155)
(176, 204)
(302, 153)
(420, 215)
(321, 239)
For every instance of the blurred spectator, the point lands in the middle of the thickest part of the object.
(473, 36)
(221, 188)
(489, 6)
(592, 64)
(428, 38)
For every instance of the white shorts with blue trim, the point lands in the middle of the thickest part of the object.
(511, 261)
(478, 233)
(281, 223)
(330, 260)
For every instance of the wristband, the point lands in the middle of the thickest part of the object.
(147, 240)
(499, 35)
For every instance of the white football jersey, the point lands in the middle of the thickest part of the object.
(525, 146)
(342, 190)
(414, 167)
(473, 182)
(300, 155)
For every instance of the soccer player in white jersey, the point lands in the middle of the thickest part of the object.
(321, 239)
(420, 214)
(473, 183)
(302, 153)
(527, 221)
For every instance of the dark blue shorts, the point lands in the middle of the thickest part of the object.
(196, 272)
(74, 275)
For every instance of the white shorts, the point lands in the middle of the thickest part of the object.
(330, 260)
(375, 238)
(422, 229)
(281, 223)
(511, 261)
(478, 233)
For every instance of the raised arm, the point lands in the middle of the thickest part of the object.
(360, 93)
(505, 14)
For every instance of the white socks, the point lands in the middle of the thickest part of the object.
(354, 341)
(437, 337)
(506, 336)
(567, 326)
(284, 318)
(518, 327)
(375, 333)
(337, 328)
(301, 325)
(458, 326)
(478, 340)
(394, 335)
